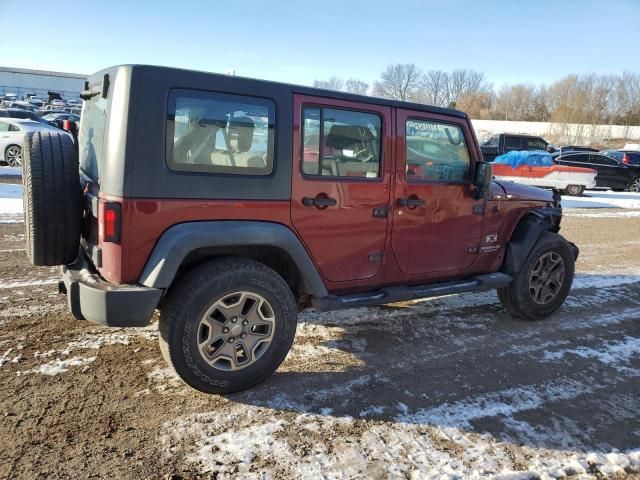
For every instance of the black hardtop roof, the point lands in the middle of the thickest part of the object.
(267, 84)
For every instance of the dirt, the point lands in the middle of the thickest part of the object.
(370, 393)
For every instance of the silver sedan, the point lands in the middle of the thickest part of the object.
(12, 131)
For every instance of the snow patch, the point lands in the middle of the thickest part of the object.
(587, 214)
(611, 353)
(253, 442)
(28, 283)
(58, 366)
(10, 172)
(602, 199)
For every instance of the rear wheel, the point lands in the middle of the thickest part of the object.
(634, 186)
(544, 281)
(575, 190)
(13, 156)
(227, 325)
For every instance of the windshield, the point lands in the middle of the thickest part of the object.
(91, 136)
(492, 141)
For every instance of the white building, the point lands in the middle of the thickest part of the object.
(20, 82)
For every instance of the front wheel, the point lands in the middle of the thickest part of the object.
(544, 281)
(634, 186)
(13, 156)
(227, 325)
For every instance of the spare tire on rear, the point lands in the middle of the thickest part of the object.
(52, 198)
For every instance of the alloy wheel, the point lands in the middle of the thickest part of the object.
(236, 331)
(635, 186)
(14, 156)
(546, 278)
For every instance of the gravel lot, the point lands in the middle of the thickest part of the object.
(450, 387)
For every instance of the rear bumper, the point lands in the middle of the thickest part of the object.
(91, 298)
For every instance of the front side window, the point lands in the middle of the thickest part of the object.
(4, 127)
(340, 143)
(436, 152)
(220, 133)
(602, 160)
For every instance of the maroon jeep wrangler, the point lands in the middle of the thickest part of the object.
(230, 204)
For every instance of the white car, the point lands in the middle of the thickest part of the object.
(12, 131)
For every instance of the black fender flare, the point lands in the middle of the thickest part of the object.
(180, 240)
(525, 236)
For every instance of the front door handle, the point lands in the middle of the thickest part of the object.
(410, 202)
(319, 202)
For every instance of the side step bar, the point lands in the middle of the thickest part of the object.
(478, 283)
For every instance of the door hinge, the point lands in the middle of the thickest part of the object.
(376, 257)
(381, 212)
(474, 248)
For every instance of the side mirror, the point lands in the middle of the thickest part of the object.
(482, 179)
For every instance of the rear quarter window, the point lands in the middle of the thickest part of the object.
(220, 133)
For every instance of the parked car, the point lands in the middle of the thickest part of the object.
(196, 198)
(12, 132)
(628, 157)
(23, 114)
(537, 168)
(612, 173)
(74, 102)
(22, 106)
(502, 143)
(36, 102)
(565, 149)
(57, 119)
(58, 103)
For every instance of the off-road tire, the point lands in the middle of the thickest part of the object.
(192, 296)
(517, 299)
(52, 198)
(574, 190)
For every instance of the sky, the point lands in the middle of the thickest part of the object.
(537, 41)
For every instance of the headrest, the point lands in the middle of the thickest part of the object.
(343, 136)
(241, 129)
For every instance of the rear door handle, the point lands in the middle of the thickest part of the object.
(319, 202)
(410, 202)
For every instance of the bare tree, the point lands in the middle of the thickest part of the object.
(353, 85)
(435, 88)
(334, 83)
(464, 82)
(475, 104)
(400, 82)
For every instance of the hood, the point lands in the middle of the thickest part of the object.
(517, 191)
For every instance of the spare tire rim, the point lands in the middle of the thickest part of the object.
(14, 156)
(635, 186)
(546, 278)
(236, 331)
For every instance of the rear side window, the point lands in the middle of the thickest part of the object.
(220, 133)
(340, 143)
(435, 152)
(534, 144)
(617, 155)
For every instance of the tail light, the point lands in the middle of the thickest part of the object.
(625, 158)
(111, 220)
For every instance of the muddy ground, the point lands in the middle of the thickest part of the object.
(446, 387)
